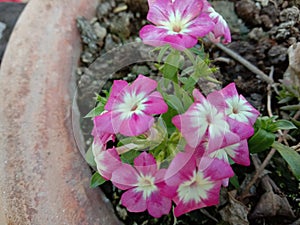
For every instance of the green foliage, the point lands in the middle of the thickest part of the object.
(101, 102)
(290, 156)
(265, 129)
(96, 180)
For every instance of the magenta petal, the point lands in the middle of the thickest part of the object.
(181, 168)
(181, 41)
(108, 122)
(213, 194)
(242, 129)
(138, 86)
(145, 163)
(125, 177)
(201, 26)
(229, 91)
(188, 9)
(158, 205)
(107, 161)
(117, 88)
(136, 124)
(217, 100)
(239, 153)
(133, 200)
(182, 208)
(155, 104)
(215, 168)
(198, 96)
(159, 11)
(154, 36)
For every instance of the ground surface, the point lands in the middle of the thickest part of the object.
(262, 32)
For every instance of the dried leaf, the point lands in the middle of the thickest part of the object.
(235, 212)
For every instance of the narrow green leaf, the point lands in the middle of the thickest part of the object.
(285, 125)
(174, 102)
(290, 107)
(96, 180)
(89, 157)
(95, 111)
(261, 141)
(162, 52)
(290, 156)
(234, 181)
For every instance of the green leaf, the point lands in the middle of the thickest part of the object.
(234, 181)
(162, 52)
(290, 107)
(290, 156)
(171, 66)
(96, 180)
(95, 111)
(261, 141)
(174, 102)
(285, 125)
(89, 157)
(129, 157)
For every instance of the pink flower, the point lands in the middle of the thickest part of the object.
(144, 184)
(198, 184)
(129, 108)
(204, 118)
(179, 23)
(238, 107)
(221, 28)
(107, 160)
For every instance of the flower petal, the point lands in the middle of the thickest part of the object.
(125, 177)
(181, 41)
(200, 26)
(154, 36)
(239, 153)
(159, 11)
(117, 88)
(136, 124)
(145, 163)
(215, 169)
(155, 104)
(158, 205)
(108, 122)
(107, 161)
(143, 85)
(133, 200)
(188, 9)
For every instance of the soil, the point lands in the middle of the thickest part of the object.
(262, 32)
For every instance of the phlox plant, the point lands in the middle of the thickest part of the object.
(162, 141)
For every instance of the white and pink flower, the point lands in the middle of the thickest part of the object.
(129, 108)
(197, 184)
(238, 108)
(221, 28)
(145, 184)
(204, 118)
(179, 23)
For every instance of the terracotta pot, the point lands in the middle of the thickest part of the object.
(43, 177)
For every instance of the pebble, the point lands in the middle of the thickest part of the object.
(290, 14)
(277, 54)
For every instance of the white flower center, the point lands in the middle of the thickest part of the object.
(238, 109)
(146, 184)
(194, 189)
(132, 103)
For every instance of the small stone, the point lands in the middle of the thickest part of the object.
(120, 8)
(257, 33)
(266, 21)
(290, 14)
(277, 54)
(100, 31)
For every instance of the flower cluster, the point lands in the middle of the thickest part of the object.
(214, 129)
(181, 22)
(178, 158)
